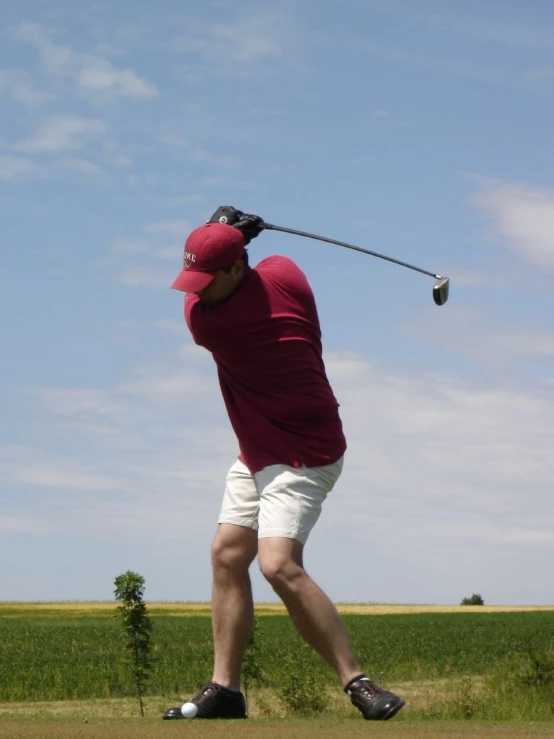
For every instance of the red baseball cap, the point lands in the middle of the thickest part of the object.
(208, 249)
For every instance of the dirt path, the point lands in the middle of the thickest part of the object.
(254, 729)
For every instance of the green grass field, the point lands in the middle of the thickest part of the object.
(64, 665)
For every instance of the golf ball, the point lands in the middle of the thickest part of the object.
(189, 710)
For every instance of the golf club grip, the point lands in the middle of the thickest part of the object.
(271, 227)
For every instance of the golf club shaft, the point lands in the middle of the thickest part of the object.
(270, 227)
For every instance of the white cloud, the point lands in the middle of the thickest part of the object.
(468, 277)
(24, 465)
(340, 43)
(382, 117)
(245, 41)
(98, 75)
(165, 387)
(179, 229)
(131, 331)
(172, 325)
(435, 463)
(91, 412)
(147, 179)
(466, 24)
(142, 275)
(14, 169)
(454, 437)
(227, 183)
(81, 167)
(24, 524)
(522, 218)
(186, 199)
(16, 83)
(83, 402)
(491, 344)
(56, 58)
(539, 75)
(131, 246)
(447, 449)
(525, 342)
(122, 161)
(150, 247)
(172, 253)
(90, 73)
(197, 153)
(254, 44)
(63, 132)
(190, 379)
(54, 476)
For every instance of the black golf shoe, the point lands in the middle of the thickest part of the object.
(375, 703)
(213, 701)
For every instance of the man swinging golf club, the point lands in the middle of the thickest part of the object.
(262, 328)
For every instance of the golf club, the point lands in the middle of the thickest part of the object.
(440, 288)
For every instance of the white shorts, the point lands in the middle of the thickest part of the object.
(278, 500)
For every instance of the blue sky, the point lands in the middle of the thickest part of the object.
(422, 130)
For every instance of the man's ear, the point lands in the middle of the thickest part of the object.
(238, 268)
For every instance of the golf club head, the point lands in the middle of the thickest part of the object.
(440, 291)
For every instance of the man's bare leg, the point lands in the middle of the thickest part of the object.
(314, 615)
(233, 550)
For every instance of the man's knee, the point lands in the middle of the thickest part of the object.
(281, 563)
(282, 574)
(233, 548)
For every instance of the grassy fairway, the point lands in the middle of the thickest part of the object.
(270, 729)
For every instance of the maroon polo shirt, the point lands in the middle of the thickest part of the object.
(266, 342)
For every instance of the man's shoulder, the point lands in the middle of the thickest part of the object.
(282, 274)
(276, 260)
(279, 266)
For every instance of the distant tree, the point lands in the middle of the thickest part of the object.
(129, 590)
(475, 600)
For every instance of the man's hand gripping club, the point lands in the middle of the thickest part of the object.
(250, 226)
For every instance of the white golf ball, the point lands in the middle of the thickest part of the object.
(189, 710)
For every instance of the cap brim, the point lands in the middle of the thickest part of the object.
(192, 282)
